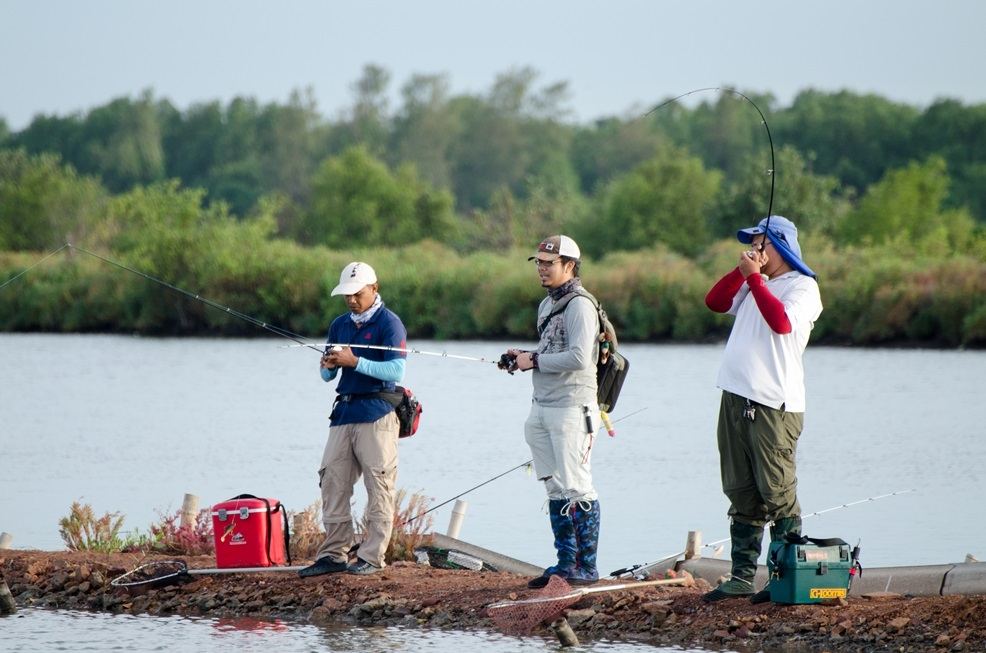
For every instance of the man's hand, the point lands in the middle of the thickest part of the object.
(341, 358)
(751, 261)
(524, 361)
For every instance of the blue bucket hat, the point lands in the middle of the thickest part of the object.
(784, 236)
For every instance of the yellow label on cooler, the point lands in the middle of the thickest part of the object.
(827, 593)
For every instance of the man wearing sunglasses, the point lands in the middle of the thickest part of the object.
(774, 297)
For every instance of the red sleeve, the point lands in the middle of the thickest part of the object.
(720, 298)
(770, 307)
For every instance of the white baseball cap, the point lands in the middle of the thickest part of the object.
(553, 247)
(355, 276)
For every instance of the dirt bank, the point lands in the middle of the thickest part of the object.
(413, 595)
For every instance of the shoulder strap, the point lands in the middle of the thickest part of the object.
(562, 304)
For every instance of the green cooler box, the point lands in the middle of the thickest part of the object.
(811, 571)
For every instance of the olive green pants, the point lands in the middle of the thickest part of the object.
(757, 460)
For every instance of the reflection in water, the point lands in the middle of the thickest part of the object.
(33, 629)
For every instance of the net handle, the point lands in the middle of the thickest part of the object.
(624, 586)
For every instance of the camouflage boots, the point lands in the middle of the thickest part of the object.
(576, 529)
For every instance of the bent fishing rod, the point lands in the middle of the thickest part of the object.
(763, 121)
(524, 464)
(642, 570)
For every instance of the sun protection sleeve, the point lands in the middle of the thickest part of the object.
(770, 307)
(327, 374)
(720, 298)
(392, 370)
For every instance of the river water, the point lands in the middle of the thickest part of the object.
(130, 424)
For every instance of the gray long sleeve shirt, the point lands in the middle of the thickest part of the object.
(567, 355)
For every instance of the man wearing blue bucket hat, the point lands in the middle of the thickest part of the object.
(774, 297)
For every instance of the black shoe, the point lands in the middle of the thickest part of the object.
(322, 566)
(763, 596)
(539, 582)
(362, 568)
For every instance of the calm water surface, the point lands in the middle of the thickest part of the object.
(131, 424)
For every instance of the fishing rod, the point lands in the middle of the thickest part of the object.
(642, 570)
(325, 347)
(284, 333)
(28, 269)
(763, 121)
(524, 464)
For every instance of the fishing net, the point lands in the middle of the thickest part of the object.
(153, 574)
(520, 617)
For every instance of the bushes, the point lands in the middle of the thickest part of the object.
(872, 295)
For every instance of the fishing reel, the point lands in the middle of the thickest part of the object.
(508, 362)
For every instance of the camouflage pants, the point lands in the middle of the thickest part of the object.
(757, 460)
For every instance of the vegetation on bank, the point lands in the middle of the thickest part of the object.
(82, 530)
(872, 296)
(258, 208)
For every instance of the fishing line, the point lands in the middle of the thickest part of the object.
(25, 271)
(763, 121)
(642, 569)
(524, 464)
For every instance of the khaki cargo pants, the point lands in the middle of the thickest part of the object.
(367, 449)
(757, 460)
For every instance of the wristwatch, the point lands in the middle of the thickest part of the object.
(534, 360)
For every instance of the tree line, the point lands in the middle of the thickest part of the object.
(500, 169)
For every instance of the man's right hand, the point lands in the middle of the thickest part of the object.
(326, 363)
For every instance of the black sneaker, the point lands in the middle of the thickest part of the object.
(362, 568)
(322, 566)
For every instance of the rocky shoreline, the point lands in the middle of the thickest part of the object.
(412, 595)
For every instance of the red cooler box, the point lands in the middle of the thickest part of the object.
(250, 532)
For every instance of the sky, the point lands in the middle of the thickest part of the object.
(618, 57)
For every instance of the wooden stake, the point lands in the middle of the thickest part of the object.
(5, 540)
(566, 636)
(189, 511)
(693, 545)
(6, 599)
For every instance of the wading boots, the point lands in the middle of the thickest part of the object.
(778, 530)
(576, 528)
(746, 541)
(565, 544)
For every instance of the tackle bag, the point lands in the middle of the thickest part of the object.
(408, 410)
(611, 366)
(251, 531)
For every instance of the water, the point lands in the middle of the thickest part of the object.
(47, 630)
(131, 424)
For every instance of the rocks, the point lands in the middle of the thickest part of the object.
(413, 596)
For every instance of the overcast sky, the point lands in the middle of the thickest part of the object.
(62, 56)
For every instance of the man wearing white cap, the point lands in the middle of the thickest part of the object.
(363, 429)
(774, 297)
(564, 412)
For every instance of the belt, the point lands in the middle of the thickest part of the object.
(358, 396)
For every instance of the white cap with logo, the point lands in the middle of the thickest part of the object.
(553, 247)
(354, 278)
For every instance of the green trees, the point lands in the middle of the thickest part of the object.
(906, 208)
(43, 203)
(356, 200)
(663, 200)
